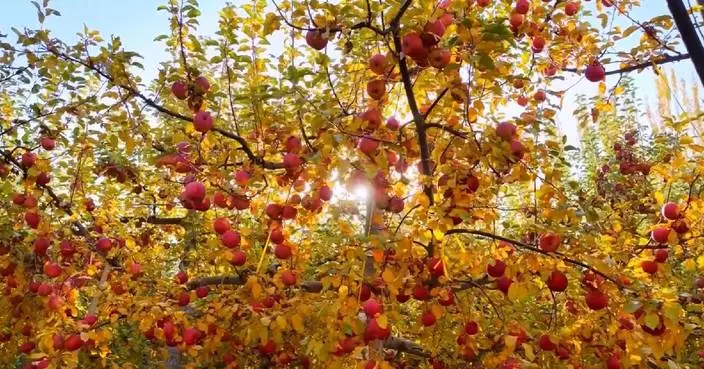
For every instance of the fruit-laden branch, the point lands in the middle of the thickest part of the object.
(258, 160)
(66, 208)
(659, 61)
(691, 40)
(418, 118)
(392, 343)
(525, 246)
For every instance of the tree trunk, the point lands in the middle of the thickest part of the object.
(683, 21)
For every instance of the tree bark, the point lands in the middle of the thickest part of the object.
(689, 36)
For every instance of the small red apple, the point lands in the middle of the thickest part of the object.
(180, 90)
(428, 319)
(52, 269)
(412, 45)
(572, 7)
(649, 266)
(549, 241)
(202, 121)
(506, 131)
(496, 269)
(378, 64)
(376, 89)
(201, 84)
(439, 58)
(288, 278)
(595, 72)
(47, 143)
(596, 300)
(522, 6)
(316, 39)
(194, 191)
(670, 211)
(230, 239)
(368, 145)
(238, 258)
(557, 281)
(661, 255)
(660, 234)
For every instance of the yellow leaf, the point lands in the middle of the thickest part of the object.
(686, 140)
(530, 355)
(510, 341)
(689, 265)
(388, 275)
(659, 197)
(383, 321)
(297, 323)
(281, 322)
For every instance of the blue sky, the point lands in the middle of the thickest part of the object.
(138, 22)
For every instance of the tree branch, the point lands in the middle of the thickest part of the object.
(258, 160)
(689, 35)
(417, 116)
(535, 249)
(664, 60)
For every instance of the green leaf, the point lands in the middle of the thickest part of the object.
(652, 320)
(496, 32)
(632, 306)
(571, 148)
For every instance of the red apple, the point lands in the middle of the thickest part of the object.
(516, 20)
(181, 277)
(538, 44)
(471, 328)
(545, 343)
(202, 121)
(316, 39)
(238, 258)
(221, 225)
(439, 58)
(378, 64)
(649, 266)
(180, 90)
(506, 131)
(202, 291)
(661, 255)
(596, 300)
(201, 84)
(104, 244)
(230, 239)
(52, 269)
(73, 342)
(282, 251)
(28, 159)
(522, 6)
(557, 281)
(184, 298)
(41, 245)
(412, 45)
(549, 242)
(660, 234)
(47, 143)
(595, 72)
(372, 308)
(292, 160)
(376, 89)
(368, 145)
(288, 278)
(613, 362)
(428, 319)
(194, 191)
(670, 211)
(572, 7)
(496, 269)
